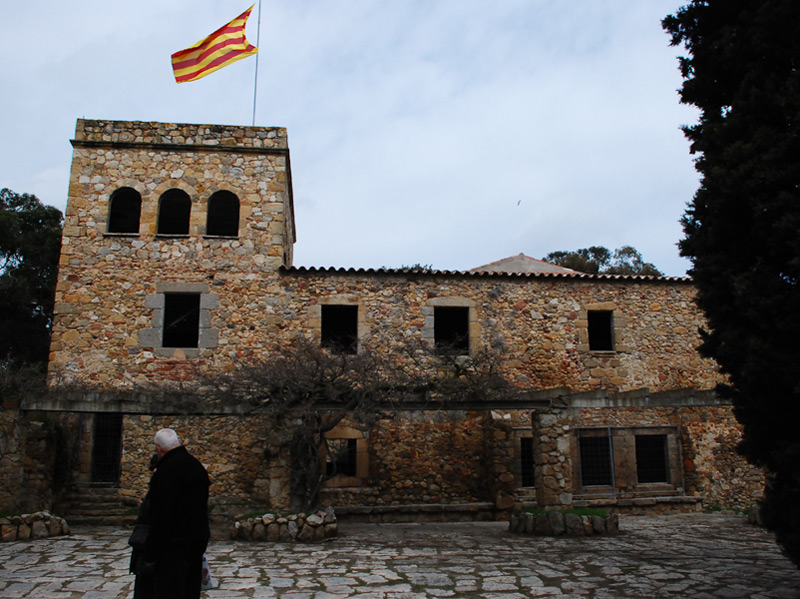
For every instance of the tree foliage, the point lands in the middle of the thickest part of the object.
(30, 242)
(306, 391)
(742, 228)
(599, 260)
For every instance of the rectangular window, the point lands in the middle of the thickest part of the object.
(340, 328)
(601, 330)
(342, 457)
(595, 461)
(451, 329)
(181, 319)
(652, 459)
(526, 461)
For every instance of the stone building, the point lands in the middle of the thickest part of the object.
(177, 259)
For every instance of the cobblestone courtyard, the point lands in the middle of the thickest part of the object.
(695, 555)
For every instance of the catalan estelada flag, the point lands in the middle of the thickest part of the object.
(223, 47)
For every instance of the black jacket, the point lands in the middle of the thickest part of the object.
(178, 504)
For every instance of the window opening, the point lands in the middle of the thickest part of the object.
(339, 328)
(451, 329)
(342, 457)
(181, 319)
(223, 214)
(601, 330)
(124, 211)
(174, 209)
(106, 448)
(596, 467)
(652, 460)
(526, 461)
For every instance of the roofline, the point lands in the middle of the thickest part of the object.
(575, 275)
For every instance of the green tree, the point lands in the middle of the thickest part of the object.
(599, 260)
(742, 228)
(30, 243)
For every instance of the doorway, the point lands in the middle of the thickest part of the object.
(106, 448)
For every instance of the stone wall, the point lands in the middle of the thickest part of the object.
(705, 469)
(232, 448)
(36, 460)
(11, 456)
(537, 322)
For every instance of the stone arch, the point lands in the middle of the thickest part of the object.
(124, 211)
(174, 212)
(222, 217)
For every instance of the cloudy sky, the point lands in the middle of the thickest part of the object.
(449, 133)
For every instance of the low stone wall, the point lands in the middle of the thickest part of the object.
(40, 525)
(553, 524)
(301, 528)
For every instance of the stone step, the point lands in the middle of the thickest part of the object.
(105, 520)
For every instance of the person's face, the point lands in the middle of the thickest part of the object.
(160, 452)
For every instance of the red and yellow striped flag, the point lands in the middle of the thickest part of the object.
(223, 47)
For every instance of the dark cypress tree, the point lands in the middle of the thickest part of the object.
(742, 228)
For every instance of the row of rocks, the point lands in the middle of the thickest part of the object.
(303, 528)
(555, 523)
(39, 525)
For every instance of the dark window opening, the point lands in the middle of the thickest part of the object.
(340, 328)
(174, 209)
(451, 329)
(595, 461)
(526, 461)
(652, 460)
(124, 211)
(181, 319)
(601, 330)
(106, 448)
(342, 457)
(223, 214)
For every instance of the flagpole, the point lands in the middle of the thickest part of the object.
(258, 45)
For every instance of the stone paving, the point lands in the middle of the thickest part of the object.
(693, 555)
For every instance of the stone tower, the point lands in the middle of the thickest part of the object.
(172, 241)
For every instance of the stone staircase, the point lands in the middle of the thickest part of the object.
(95, 504)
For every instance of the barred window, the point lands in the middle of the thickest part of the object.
(595, 453)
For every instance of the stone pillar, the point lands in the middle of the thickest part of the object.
(552, 457)
(500, 450)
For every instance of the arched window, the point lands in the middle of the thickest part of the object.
(223, 214)
(174, 209)
(125, 208)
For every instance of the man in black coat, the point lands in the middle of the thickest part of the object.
(179, 529)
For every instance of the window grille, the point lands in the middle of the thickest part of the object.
(526, 461)
(596, 461)
(106, 447)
